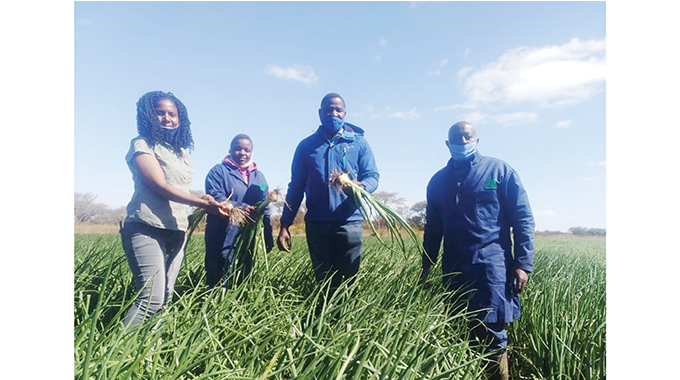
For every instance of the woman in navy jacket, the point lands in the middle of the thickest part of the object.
(236, 176)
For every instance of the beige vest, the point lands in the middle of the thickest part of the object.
(147, 207)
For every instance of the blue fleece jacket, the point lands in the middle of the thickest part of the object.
(316, 159)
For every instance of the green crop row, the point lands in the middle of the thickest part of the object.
(280, 325)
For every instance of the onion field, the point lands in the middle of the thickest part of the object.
(279, 324)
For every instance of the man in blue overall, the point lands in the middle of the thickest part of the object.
(478, 206)
(333, 224)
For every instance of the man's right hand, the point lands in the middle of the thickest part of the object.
(283, 241)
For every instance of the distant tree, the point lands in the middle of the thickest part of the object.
(393, 201)
(276, 209)
(577, 230)
(85, 208)
(548, 232)
(300, 216)
(417, 219)
(87, 211)
(112, 216)
(597, 232)
(583, 231)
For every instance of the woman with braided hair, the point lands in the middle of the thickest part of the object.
(157, 215)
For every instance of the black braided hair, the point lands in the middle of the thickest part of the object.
(150, 128)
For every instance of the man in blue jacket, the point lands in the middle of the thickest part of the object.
(479, 207)
(333, 224)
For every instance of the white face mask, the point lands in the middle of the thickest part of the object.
(462, 152)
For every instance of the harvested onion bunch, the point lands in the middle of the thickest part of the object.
(250, 236)
(368, 204)
(236, 216)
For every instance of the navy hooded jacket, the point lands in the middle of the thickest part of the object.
(316, 159)
(220, 181)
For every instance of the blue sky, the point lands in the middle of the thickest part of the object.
(72, 72)
(529, 75)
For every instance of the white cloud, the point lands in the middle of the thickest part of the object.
(505, 120)
(415, 4)
(382, 41)
(465, 72)
(545, 76)
(563, 124)
(369, 112)
(517, 118)
(408, 115)
(546, 213)
(437, 71)
(366, 112)
(446, 108)
(296, 73)
(475, 117)
(602, 163)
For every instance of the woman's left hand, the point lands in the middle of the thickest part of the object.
(217, 208)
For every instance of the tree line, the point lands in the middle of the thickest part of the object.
(584, 231)
(88, 211)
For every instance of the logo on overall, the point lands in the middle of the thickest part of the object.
(491, 184)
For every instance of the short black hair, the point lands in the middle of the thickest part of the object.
(150, 128)
(330, 96)
(240, 136)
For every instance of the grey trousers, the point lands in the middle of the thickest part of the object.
(155, 256)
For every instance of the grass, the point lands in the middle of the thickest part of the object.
(280, 325)
(562, 332)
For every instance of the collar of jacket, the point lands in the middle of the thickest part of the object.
(467, 163)
(252, 166)
(350, 130)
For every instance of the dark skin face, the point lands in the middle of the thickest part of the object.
(241, 152)
(333, 107)
(462, 133)
(166, 112)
